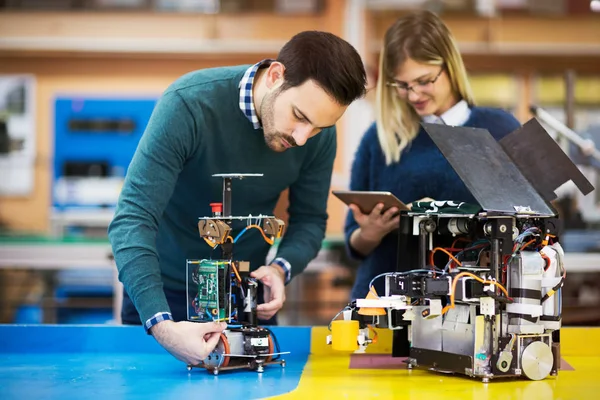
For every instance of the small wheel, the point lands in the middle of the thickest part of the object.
(282, 363)
(485, 380)
(189, 367)
(216, 371)
(537, 361)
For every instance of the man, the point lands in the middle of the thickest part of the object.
(276, 118)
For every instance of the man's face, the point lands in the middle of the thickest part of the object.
(290, 117)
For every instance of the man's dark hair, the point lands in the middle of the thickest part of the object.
(328, 60)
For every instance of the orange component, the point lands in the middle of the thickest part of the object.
(226, 350)
(271, 349)
(371, 311)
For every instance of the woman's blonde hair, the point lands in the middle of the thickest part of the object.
(423, 37)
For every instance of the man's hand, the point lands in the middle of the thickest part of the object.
(190, 342)
(273, 279)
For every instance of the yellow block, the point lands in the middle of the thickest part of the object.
(344, 335)
(319, 346)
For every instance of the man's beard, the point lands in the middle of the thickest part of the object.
(272, 136)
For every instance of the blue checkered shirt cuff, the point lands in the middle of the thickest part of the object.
(285, 265)
(156, 318)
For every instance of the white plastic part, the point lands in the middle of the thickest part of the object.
(528, 309)
(435, 307)
(487, 306)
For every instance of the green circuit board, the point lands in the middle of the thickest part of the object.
(210, 302)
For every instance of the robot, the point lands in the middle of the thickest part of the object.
(482, 295)
(222, 290)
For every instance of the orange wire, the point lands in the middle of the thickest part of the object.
(269, 241)
(374, 340)
(445, 251)
(459, 239)
(528, 243)
(455, 281)
(235, 271)
(547, 259)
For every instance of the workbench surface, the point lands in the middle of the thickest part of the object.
(117, 362)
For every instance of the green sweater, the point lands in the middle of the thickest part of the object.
(197, 129)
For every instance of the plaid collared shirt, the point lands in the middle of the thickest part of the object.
(246, 99)
(247, 107)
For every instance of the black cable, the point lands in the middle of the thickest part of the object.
(501, 299)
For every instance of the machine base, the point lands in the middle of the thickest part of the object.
(239, 363)
(442, 362)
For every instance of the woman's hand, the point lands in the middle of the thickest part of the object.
(377, 224)
(373, 227)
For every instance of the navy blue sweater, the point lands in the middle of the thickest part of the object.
(421, 172)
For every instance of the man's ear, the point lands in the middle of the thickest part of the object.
(275, 74)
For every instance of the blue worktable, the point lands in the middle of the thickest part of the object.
(122, 362)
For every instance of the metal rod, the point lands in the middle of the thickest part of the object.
(226, 196)
(562, 129)
(495, 259)
(422, 246)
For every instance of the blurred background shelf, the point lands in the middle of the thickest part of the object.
(517, 52)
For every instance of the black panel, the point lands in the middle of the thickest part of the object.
(85, 169)
(542, 161)
(4, 138)
(486, 170)
(436, 287)
(98, 125)
(441, 360)
(400, 343)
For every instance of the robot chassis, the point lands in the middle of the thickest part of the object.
(490, 306)
(222, 290)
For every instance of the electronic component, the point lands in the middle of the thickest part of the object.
(481, 295)
(223, 290)
(417, 286)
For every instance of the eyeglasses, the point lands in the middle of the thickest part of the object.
(419, 87)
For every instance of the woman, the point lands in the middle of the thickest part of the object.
(422, 78)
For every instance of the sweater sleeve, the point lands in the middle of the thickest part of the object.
(502, 123)
(359, 180)
(168, 141)
(308, 206)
